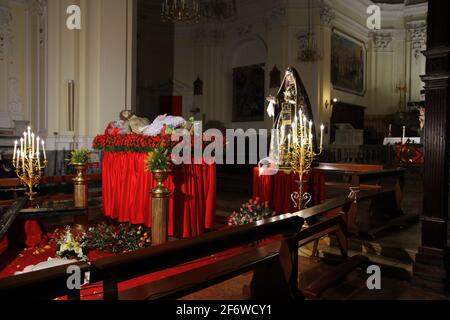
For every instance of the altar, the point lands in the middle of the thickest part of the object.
(127, 190)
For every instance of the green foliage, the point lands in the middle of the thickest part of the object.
(158, 159)
(79, 156)
(249, 212)
(117, 239)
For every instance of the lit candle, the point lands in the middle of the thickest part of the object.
(310, 132)
(294, 130)
(17, 159)
(24, 141)
(30, 160)
(23, 160)
(404, 134)
(32, 143)
(305, 124)
(322, 128)
(15, 150)
(43, 149)
(29, 135)
(37, 146)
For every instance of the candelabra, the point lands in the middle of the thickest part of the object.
(27, 160)
(302, 155)
(180, 10)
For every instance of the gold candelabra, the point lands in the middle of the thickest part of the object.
(302, 155)
(27, 160)
(180, 10)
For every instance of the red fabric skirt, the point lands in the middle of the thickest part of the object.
(277, 189)
(127, 190)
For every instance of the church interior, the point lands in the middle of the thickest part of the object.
(224, 149)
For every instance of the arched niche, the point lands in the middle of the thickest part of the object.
(248, 51)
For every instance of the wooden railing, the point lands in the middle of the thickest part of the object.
(14, 185)
(354, 178)
(365, 154)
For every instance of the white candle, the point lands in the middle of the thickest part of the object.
(29, 135)
(43, 150)
(322, 128)
(305, 124)
(37, 146)
(30, 160)
(17, 159)
(404, 134)
(310, 133)
(24, 141)
(15, 150)
(32, 143)
(23, 160)
(294, 130)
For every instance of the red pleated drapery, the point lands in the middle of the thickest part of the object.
(127, 190)
(277, 189)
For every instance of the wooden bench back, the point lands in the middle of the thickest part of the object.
(175, 253)
(349, 167)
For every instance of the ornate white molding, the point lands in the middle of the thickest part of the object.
(244, 30)
(68, 142)
(276, 14)
(5, 32)
(417, 36)
(327, 15)
(382, 40)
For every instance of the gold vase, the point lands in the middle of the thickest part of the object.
(160, 207)
(80, 186)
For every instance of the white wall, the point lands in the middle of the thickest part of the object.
(208, 51)
(43, 55)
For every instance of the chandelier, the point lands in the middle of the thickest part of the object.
(180, 10)
(308, 47)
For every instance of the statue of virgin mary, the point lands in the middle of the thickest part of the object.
(284, 108)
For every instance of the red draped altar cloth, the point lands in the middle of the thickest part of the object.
(277, 189)
(127, 190)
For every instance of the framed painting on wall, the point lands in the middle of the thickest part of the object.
(348, 63)
(248, 93)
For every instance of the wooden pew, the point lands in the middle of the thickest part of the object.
(389, 183)
(41, 285)
(275, 265)
(275, 268)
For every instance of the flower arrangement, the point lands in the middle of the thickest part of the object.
(70, 246)
(130, 142)
(158, 159)
(117, 239)
(252, 211)
(81, 156)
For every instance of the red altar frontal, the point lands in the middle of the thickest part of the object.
(277, 189)
(127, 190)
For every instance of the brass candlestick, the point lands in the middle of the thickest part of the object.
(302, 155)
(27, 161)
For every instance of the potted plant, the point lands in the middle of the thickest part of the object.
(158, 163)
(79, 159)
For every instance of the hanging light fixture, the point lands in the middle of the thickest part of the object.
(308, 47)
(180, 10)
